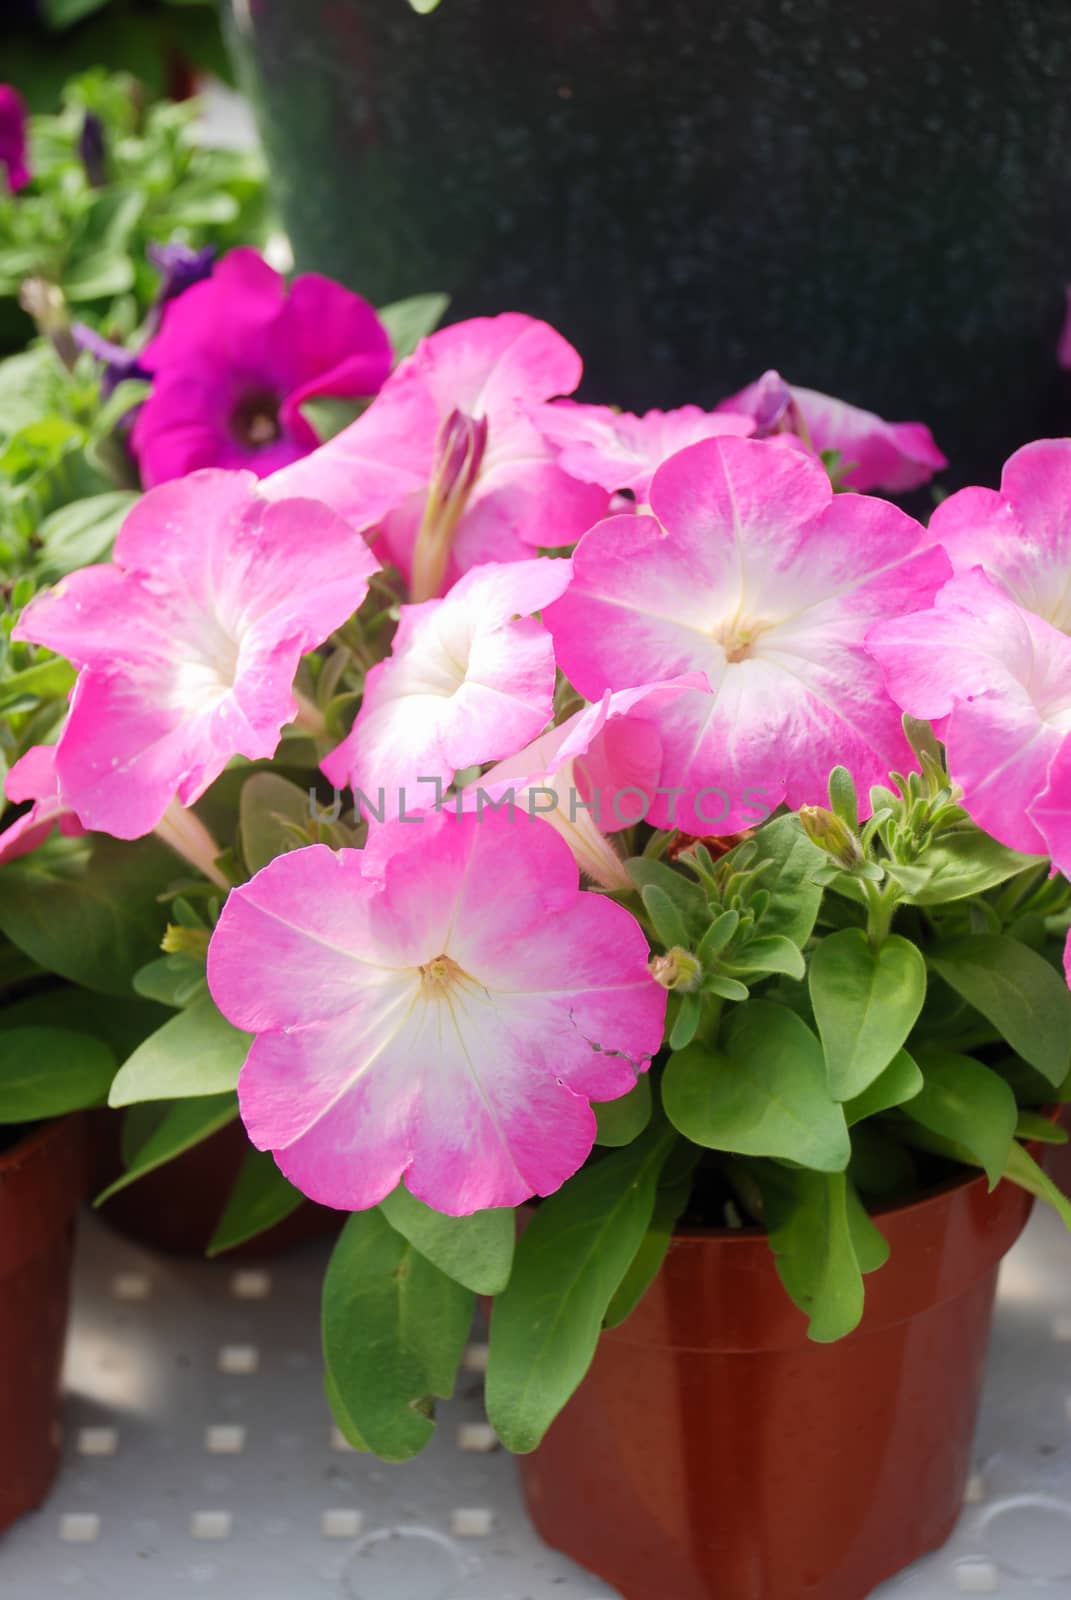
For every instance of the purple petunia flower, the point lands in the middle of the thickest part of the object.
(179, 268)
(236, 358)
(13, 138)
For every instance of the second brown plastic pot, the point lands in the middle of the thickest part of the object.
(715, 1453)
(42, 1184)
(176, 1208)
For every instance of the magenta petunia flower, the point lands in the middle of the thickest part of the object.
(460, 1003)
(188, 643)
(470, 678)
(620, 451)
(994, 656)
(33, 778)
(754, 573)
(475, 481)
(237, 356)
(13, 141)
(875, 454)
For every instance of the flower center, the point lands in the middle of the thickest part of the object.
(439, 976)
(255, 419)
(740, 636)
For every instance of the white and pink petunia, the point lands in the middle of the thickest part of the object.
(1001, 676)
(458, 1005)
(753, 573)
(590, 776)
(994, 655)
(470, 678)
(474, 478)
(620, 451)
(874, 454)
(188, 643)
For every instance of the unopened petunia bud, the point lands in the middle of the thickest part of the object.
(459, 452)
(826, 830)
(677, 969)
(182, 941)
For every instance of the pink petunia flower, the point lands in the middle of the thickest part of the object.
(188, 643)
(1002, 677)
(459, 1005)
(620, 451)
(469, 679)
(13, 142)
(33, 778)
(594, 774)
(875, 454)
(994, 655)
(474, 479)
(237, 356)
(752, 572)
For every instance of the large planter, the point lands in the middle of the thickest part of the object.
(714, 1453)
(870, 196)
(42, 1183)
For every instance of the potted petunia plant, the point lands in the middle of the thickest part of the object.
(626, 879)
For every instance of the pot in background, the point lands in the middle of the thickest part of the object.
(43, 1180)
(176, 1208)
(715, 1453)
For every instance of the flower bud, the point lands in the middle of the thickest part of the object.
(677, 969)
(827, 830)
(459, 452)
(182, 941)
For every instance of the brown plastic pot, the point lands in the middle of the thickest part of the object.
(42, 1183)
(715, 1453)
(176, 1208)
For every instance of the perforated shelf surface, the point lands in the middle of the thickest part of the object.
(200, 1459)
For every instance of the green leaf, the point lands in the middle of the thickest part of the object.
(686, 1022)
(811, 1236)
(409, 321)
(622, 1120)
(866, 1002)
(260, 1198)
(964, 1101)
(1035, 1125)
(172, 980)
(901, 1080)
(965, 862)
(869, 1243)
(1018, 992)
(183, 1125)
(88, 908)
(82, 533)
(273, 815)
(64, 13)
(346, 1425)
(45, 1072)
(195, 1053)
(774, 953)
(671, 1201)
(327, 415)
(476, 1251)
(569, 1263)
(1022, 1169)
(764, 1093)
(45, 680)
(121, 1027)
(685, 894)
(794, 897)
(664, 914)
(394, 1330)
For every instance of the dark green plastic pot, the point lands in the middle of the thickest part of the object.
(873, 197)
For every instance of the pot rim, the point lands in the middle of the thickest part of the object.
(38, 1133)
